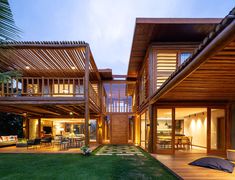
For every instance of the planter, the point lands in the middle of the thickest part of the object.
(231, 154)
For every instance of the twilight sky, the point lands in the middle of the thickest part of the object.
(107, 25)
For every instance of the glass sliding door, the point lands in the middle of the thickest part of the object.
(131, 129)
(164, 131)
(217, 130)
(147, 131)
(93, 130)
(142, 130)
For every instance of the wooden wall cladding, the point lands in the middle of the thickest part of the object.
(119, 129)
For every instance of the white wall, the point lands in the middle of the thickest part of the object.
(217, 113)
(196, 126)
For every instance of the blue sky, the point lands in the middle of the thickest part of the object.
(106, 25)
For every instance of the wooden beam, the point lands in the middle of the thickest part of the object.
(86, 93)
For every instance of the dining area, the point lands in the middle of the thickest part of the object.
(180, 142)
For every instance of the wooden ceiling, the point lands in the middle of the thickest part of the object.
(213, 80)
(50, 110)
(54, 59)
(150, 30)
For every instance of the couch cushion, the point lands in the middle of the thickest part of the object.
(214, 163)
(4, 138)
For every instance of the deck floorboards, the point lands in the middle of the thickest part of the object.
(178, 163)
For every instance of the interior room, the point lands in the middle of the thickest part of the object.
(191, 130)
(56, 127)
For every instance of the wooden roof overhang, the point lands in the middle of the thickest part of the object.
(209, 74)
(48, 59)
(106, 74)
(152, 30)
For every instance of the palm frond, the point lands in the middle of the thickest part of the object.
(8, 29)
(6, 76)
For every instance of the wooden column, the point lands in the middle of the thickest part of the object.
(26, 127)
(86, 95)
(151, 126)
(39, 128)
(208, 129)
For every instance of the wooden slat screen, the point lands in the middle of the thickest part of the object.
(165, 65)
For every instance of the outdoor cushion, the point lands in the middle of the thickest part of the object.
(214, 163)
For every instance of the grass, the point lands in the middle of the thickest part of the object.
(76, 166)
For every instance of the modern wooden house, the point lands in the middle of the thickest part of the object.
(178, 94)
(184, 69)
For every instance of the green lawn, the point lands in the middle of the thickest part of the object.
(75, 166)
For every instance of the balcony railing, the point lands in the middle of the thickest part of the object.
(46, 87)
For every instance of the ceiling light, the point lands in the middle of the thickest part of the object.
(70, 113)
(27, 67)
(73, 67)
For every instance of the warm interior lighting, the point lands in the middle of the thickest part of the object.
(65, 91)
(73, 67)
(70, 113)
(27, 67)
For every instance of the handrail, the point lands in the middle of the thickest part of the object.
(41, 86)
(93, 95)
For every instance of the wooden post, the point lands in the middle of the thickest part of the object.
(86, 94)
(39, 128)
(27, 127)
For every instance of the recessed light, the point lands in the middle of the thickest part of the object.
(73, 67)
(27, 67)
(70, 113)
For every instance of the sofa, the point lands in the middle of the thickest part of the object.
(8, 140)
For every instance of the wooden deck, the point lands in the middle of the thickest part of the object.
(179, 165)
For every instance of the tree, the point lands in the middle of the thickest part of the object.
(9, 123)
(8, 29)
(8, 32)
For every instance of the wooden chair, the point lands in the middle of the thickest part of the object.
(191, 141)
(185, 142)
(177, 142)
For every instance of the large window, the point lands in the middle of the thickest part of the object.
(164, 129)
(119, 97)
(184, 56)
(166, 62)
(92, 129)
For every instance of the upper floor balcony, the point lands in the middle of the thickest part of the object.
(26, 88)
(52, 73)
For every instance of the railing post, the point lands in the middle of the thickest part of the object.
(86, 94)
(42, 86)
(3, 89)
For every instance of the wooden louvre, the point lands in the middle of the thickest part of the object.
(164, 65)
(152, 30)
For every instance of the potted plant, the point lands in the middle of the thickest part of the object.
(86, 151)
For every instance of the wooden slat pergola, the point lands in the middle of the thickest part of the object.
(51, 62)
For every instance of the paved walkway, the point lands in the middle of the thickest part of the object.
(120, 150)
